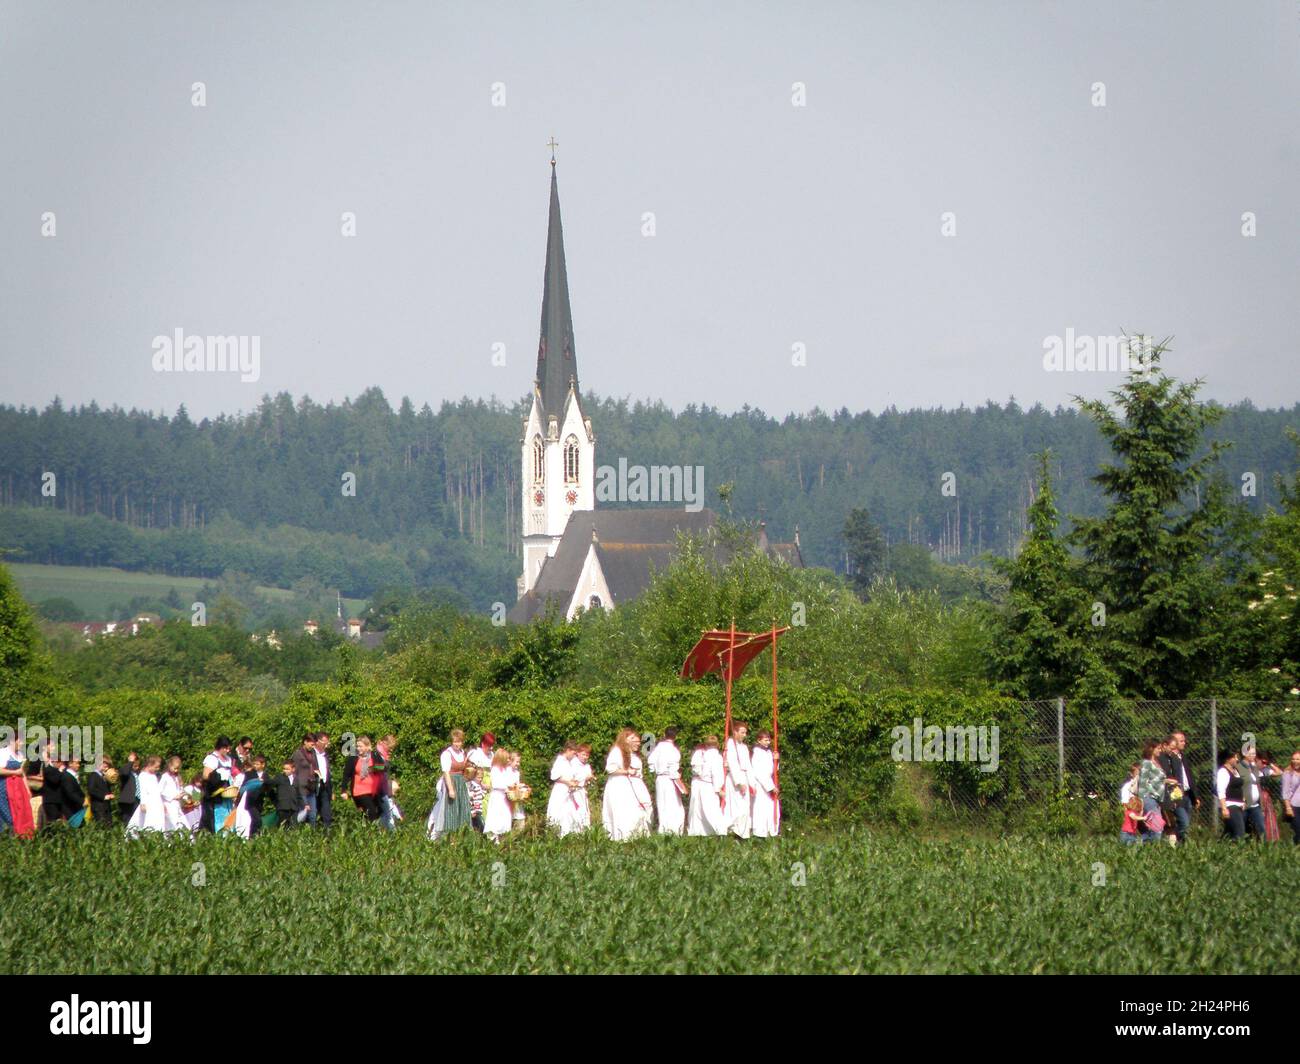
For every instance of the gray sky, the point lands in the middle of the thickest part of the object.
(775, 224)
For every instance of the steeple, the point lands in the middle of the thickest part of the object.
(557, 363)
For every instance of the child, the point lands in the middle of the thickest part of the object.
(100, 789)
(192, 802)
(1134, 821)
(765, 807)
(584, 774)
(477, 793)
(517, 814)
(287, 802)
(499, 816)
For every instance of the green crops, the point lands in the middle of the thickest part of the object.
(839, 901)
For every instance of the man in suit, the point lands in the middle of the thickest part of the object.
(126, 792)
(51, 787)
(324, 782)
(305, 776)
(101, 795)
(1175, 767)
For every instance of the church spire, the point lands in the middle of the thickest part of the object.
(557, 363)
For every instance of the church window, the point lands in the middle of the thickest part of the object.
(539, 462)
(571, 460)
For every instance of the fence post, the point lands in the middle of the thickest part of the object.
(1214, 743)
(1060, 742)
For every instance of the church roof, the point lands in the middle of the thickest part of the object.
(631, 545)
(557, 361)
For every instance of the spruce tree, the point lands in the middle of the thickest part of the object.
(1151, 555)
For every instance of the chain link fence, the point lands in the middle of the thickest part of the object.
(1073, 756)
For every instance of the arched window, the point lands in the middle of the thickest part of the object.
(594, 603)
(571, 460)
(539, 461)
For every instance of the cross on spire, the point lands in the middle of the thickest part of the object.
(552, 144)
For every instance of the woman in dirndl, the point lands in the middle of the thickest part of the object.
(451, 810)
(15, 796)
(626, 805)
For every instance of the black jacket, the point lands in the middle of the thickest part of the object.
(51, 792)
(1174, 767)
(349, 772)
(101, 807)
(72, 796)
(286, 794)
(126, 779)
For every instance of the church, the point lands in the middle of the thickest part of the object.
(575, 556)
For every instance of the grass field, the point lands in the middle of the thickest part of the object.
(95, 589)
(853, 901)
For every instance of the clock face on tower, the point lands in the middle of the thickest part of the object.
(571, 496)
(539, 497)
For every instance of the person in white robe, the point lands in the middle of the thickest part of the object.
(169, 790)
(765, 810)
(498, 819)
(583, 774)
(150, 814)
(706, 790)
(740, 788)
(563, 800)
(626, 806)
(665, 761)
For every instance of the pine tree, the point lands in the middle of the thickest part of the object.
(865, 545)
(1150, 555)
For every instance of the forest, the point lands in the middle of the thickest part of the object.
(437, 493)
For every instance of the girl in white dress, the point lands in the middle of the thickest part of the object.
(563, 802)
(517, 812)
(626, 806)
(765, 811)
(740, 789)
(706, 790)
(583, 773)
(498, 819)
(665, 762)
(149, 815)
(169, 790)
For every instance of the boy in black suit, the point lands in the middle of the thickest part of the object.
(101, 795)
(286, 796)
(72, 796)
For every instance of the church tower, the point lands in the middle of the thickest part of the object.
(558, 448)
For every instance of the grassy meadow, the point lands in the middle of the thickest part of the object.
(94, 589)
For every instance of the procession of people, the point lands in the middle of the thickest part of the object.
(478, 788)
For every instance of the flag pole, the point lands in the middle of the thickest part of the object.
(776, 729)
(726, 735)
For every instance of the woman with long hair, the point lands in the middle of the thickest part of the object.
(1151, 788)
(626, 805)
(169, 791)
(149, 814)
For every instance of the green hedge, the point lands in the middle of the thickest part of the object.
(835, 744)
